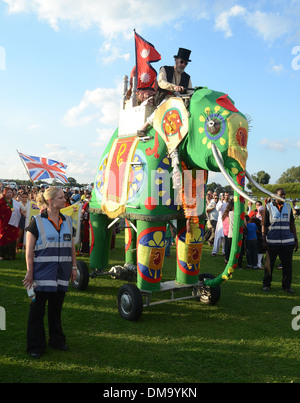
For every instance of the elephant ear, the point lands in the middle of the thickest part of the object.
(171, 121)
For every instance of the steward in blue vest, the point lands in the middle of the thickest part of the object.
(279, 231)
(52, 262)
(280, 238)
(50, 259)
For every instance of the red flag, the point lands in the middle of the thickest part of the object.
(145, 54)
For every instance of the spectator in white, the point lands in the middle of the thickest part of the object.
(261, 250)
(212, 214)
(249, 207)
(219, 235)
(209, 197)
(24, 205)
(295, 208)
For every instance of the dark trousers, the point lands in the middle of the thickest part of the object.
(168, 246)
(8, 251)
(226, 247)
(285, 254)
(36, 337)
(240, 260)
(210, 236)
(251, 252)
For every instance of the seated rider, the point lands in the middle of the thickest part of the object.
(171, 80)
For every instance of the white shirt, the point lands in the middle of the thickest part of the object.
(213, 214)
(231, 216)
(15, 215)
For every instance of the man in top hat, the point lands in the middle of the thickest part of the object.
(171, 79)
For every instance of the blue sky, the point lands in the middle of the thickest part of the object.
(62, 64)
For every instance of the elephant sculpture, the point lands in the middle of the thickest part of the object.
(161, 177)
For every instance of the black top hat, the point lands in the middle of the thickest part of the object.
(183, 54)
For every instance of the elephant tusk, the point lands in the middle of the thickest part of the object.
(220, 162)
(259, 187)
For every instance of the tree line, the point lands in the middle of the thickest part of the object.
(289, 180)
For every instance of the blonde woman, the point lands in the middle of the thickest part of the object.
(51, 261)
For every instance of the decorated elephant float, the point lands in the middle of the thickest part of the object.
(161, 178)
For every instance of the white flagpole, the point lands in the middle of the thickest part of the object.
(25, 167)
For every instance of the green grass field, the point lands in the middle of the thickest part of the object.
(247, 337)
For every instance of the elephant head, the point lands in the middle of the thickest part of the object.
(219, 143)
(220, 136)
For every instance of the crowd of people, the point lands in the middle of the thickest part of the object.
(14, 207)
(268, 231)
(219, 226)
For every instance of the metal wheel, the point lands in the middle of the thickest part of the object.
(208, 295)
(82, 279)
(130, 302)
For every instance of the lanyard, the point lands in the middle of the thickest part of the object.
(10, 205)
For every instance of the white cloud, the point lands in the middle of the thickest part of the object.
(101, 104)
(222, 21)
(16, 6)
(122, 16)
(270, 25)
(275, 145)
(111, 53)
(111, 17)
(33, 126)
(79, 165)
(104, 134)
(277, 68)
(55, 147)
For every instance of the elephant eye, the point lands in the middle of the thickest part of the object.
(214, 126)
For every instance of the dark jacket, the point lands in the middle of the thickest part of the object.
(162, 93)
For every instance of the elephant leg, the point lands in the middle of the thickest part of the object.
(130, 243)
(100, 240)
(189, 254)
(150, 254)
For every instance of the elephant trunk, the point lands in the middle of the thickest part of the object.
(259, 187)
(219, 161)
(237, 183)
(237, 241)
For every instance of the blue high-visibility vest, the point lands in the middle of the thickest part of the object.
(279, 232)
(52, 262)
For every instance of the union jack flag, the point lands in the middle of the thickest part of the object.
(44, 168)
